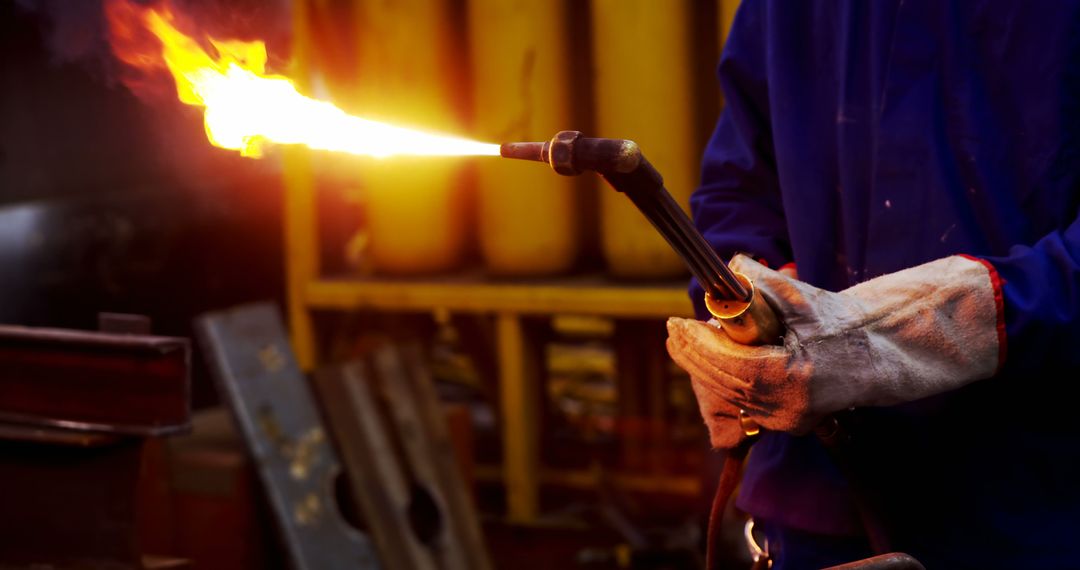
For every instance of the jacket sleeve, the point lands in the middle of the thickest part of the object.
(737, 206)
(1040, 289)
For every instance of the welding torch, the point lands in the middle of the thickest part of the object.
(729, 296)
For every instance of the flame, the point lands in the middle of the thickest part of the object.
(245, 107)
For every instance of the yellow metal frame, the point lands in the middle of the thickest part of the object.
(510, 303)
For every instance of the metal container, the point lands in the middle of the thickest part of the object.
(644, 91)
(407, 64)
(528, 220)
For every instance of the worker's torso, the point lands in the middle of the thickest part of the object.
(906, 131)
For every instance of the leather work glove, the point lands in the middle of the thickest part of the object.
(894, 339)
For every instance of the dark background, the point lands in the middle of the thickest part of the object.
(109, 202)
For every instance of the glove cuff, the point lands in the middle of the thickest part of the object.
(999, 303)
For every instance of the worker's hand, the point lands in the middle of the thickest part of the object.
(720, 414)
(894, 339)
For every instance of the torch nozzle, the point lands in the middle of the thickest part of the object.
(524, 151)
(569, 153)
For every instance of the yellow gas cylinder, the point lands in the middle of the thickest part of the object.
(418, 208)
(527, 217)
(644, 93)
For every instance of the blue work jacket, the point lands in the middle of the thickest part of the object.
(863, 137)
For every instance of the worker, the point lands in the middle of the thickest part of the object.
(901, 179)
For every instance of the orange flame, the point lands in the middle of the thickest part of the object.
(245, 107)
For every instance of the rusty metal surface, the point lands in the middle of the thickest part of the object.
(123, 323)
(891, 561)
(421, 423)
(93, 339)
(56, 436)
(393, 438)
(94, 381)
(70, 402)
(249, 354)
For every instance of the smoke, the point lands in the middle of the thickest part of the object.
(78, 31)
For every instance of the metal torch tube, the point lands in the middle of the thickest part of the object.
(707, 271)
(673, 224)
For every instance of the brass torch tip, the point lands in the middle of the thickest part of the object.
(523, 151)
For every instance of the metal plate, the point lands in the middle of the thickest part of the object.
(248, 351)
(396, 448)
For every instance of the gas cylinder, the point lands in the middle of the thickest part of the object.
(408, 66)
(644, 92)
(528, 219)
